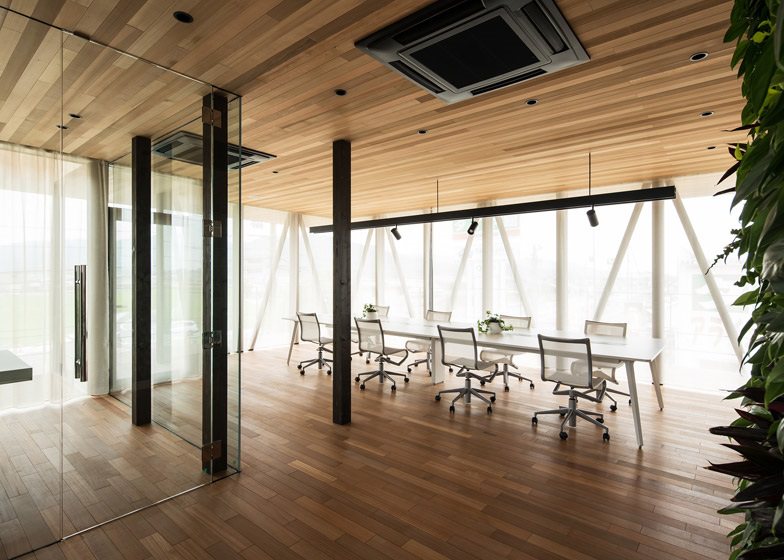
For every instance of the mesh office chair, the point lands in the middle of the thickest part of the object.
(310, 331)
(458, 349)
(567, 361)
(418, 346)
(371, 340)
(504, 358)
(606, 369)
(383, 312)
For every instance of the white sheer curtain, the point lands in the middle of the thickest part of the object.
(46, 227)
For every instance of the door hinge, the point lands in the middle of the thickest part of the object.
(211, 339)
(213, 229)
(211, 451)
(211, 117)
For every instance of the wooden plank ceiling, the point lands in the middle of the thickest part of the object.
(635, 105)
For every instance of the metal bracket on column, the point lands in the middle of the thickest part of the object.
(213, 229)
(211, 339)
(211, 117)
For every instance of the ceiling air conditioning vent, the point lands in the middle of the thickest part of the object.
(187, 147)
(458, 50)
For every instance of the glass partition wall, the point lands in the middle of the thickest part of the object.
(72, 453)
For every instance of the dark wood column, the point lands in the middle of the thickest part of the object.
(341, 281)
(216, 273)
(141, 355)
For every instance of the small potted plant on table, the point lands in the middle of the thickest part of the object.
(492, 324)
(370, 311)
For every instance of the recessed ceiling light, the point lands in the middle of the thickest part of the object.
(422, 131)
(275, 171)
(62, 127)
(696, 57)
(75, 115)
(706, 114)
(183, 17)
(531, 101)
(340, 92)
(711, 148)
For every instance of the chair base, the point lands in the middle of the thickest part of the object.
(382, 374)
(321, 361)
(507, 374)
(467, 391)
(570, 415)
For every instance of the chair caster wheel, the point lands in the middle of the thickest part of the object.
(534, 420)
(302, 372)
(450, 370)
(606, 436)
(299, 367)
(406, 379)
(492, 399)
(362, 387)
(482, 383)
(600, 420)
(329, 372)
(438, 398)
(532, 385)
(562, 414)
(563, 435)
(506, 389)
(630, 402)
(367, 361)
(489, 409)
(451, 408)
(409, 369)
(356, 379)
(394, 388)
(613, 408)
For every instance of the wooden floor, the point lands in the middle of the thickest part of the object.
(109, 468)
(408, 480)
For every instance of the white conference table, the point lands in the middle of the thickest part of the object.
(628, 350)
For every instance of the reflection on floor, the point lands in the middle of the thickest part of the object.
(109, 467)
(408, 480)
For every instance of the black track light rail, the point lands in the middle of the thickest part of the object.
(606, 199)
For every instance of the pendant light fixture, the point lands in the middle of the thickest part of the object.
(593, 219)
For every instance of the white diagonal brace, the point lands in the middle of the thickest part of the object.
(460, 271)
(513, 265)
(616, 266)
(358, 275)
(396, 260)
(312, 262)
(270, 281)
(713, 288)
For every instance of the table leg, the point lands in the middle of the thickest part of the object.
(656, 375)
(437, 368)
(294, 332)
(635, 403)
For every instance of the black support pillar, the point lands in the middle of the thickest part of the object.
(341, 281)
(141, 378)
(216, 270)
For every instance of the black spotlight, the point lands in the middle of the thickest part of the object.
(396, 233)
(472, 227)
(593, 219)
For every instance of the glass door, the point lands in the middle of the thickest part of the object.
(39, 244)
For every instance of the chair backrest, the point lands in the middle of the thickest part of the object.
(371, 335)
(517, 322)
(439, 316)
(599, 328)
(458, 346)
(382, 310)
(567, 361)
(309, 328)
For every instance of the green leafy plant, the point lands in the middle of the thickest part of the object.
(369, 308)
(758, 432)
(483, 325)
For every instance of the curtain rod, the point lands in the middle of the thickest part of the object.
(607, 199)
